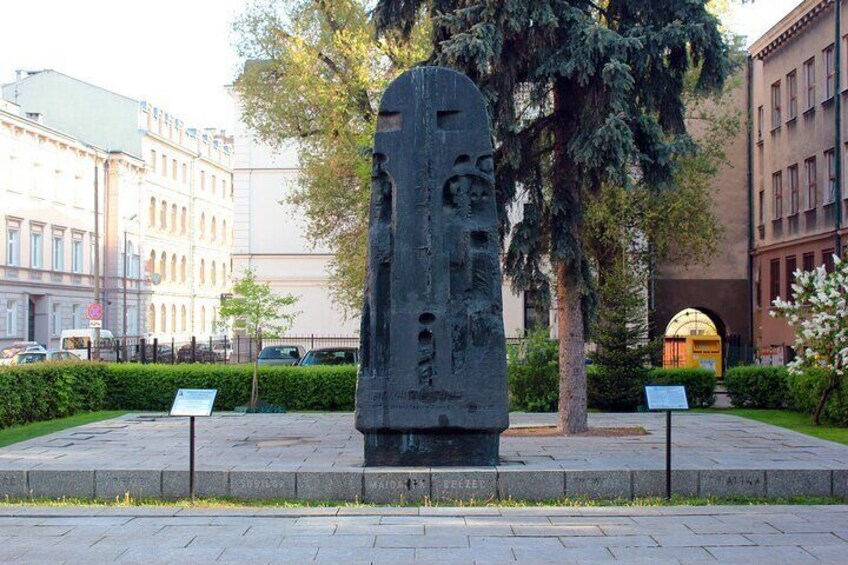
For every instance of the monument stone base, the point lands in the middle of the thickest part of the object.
(431, 449)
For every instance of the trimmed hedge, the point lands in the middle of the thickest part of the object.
(44, 391)
(152, 387)
(536, 388)
(758, 387)
(804, 392)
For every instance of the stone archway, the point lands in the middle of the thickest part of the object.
(694, 337)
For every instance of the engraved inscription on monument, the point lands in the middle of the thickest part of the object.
(432, 389)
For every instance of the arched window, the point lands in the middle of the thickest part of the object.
(223, 274)
(183, 269)
(129, 264)
(162, 261)
(174, 267)
(173, 217)
(213, 274)
(151, 218)
(183, 318)
(151, 267)
(163, 319)
(203, 319)
(202, 271)
(224, 231)
(183, 220)
(163, 215)
(214, 229)
(151, 319)
(173, 318)
(202, 225)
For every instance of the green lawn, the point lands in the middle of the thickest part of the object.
(15, 434)
(796, 421)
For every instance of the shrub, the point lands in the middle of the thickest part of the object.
(700, 384)
(43, 391)
(152, 387)
(757, 387)
(615, 389)
(533, 388)
(805, 391)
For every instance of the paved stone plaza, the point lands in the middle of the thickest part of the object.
(448, 536)
(319, 457)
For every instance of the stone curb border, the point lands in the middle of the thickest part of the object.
(395, 484)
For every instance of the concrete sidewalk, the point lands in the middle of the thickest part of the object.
(319, 457)
(490, 535)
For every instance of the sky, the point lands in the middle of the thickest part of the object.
(177, 54)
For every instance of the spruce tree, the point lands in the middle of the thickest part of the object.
(581, 93)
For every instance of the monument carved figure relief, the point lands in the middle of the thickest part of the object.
(432, 386)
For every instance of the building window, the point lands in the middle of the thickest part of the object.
(224, 231)
(182, 318)
(214, 185)
(830, 163)
(58, 253)
(213, 228)
(76, 316)
(827, 259)
(132, 320)
(224, 188)
(151, 213)
(777, 195)
(163, 319)
(223, 274)
(202, 225)
(762, 209)
(202, 180)
(163, 215)
(173, 218)
(830, 73)
(185, 173)
(774, 281)
(174, 267)
(151, 267)
(202, 271)
(760, 120)
(173, 318)
(793, 190)
(174, 169)
(213, 274)
(810, 84)
(809, 262)
(792, 87)
(13, 247)
(203, 319)
(775, 105)
(758, 286)
(183, 269)
(76, 256)
(56, 319)
(151, 319)
(11, 318)
(183, 220)
(153, 160)
(791, 266)
(163, 259)
(164, 165)
(36, 250)
(812, 187)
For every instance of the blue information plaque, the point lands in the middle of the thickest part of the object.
(194, 402)
(666, 397)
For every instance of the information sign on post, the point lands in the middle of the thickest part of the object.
(667, 398)
(192, 403)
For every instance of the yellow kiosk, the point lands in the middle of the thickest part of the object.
(691, 340)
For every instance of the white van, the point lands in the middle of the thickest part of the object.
(78, 342)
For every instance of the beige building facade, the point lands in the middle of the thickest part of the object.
(797, 190)
(165, 206)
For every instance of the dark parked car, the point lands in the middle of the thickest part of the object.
(330, 356)
(280, 355)
(202, 354)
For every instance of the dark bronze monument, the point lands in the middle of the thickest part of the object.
(432, 387)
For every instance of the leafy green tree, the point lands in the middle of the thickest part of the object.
(255, 308)
(582, 95)
(315, 72)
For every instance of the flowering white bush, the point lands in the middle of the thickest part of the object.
(819, 314)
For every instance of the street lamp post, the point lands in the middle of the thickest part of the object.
(127, 264)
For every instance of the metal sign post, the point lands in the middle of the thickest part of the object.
(193, 402)
(667, 398)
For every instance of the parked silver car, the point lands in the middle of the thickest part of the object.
(330, 356)
(280, 355)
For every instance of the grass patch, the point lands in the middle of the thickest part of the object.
(577, 502)
(788, 419)
(15, 434)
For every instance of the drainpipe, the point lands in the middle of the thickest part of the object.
(749, 180)
(837, 51)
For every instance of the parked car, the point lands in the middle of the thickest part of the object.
(280, 355)
(27, 357)
(80, 340)
(202, 354)
(62, 355)
(8, 353)
(223, 350)
(330, 356)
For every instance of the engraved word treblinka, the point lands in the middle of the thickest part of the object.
(432, 386)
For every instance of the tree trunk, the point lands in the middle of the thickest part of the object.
(825, 394)
(254, 385)
(572, 418)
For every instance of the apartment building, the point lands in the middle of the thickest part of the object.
(797, 96)
(166, 223)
